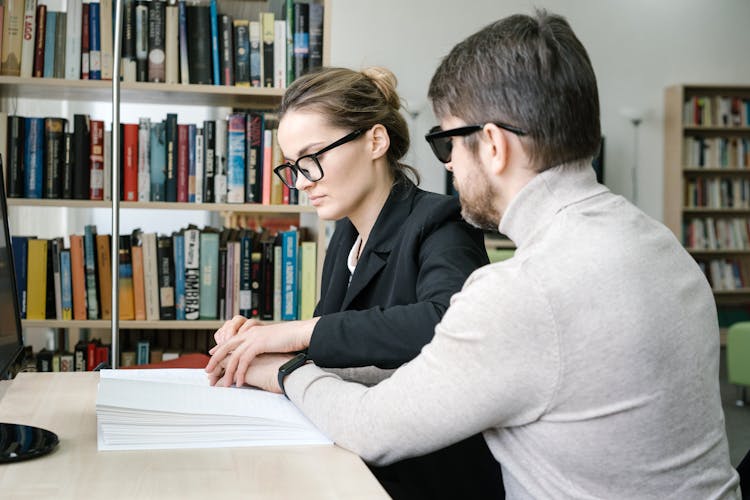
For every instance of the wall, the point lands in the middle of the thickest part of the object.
(637, 48)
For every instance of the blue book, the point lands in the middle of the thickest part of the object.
(89, 264)
(171, 144)
(66, 285)
(236, 158)
(158, 160)
(142, 352)
(289, 244)
(192, 132)
(215, 43)
(209, 274)
(184, 67)
(178, 247)
(20, 245)
(33, 161)
(95, 52)
(49, 44)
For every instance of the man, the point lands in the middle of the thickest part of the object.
(589, 359)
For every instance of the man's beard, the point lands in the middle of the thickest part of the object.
(478, 208)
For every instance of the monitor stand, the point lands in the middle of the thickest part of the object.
(23, 442)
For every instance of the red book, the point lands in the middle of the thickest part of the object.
(91, 356)
(85, 41)
(130, 161)
(78, 277)
(41, 30)
(96, 186)
(102, 354)
(183, 163)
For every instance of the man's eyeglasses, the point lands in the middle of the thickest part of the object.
(442, 145)
(309, 165)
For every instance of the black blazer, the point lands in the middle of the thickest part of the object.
(418, 254)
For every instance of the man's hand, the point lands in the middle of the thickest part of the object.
(234, 355)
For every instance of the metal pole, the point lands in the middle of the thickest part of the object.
(115, 152)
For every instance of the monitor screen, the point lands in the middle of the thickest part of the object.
(11, 340)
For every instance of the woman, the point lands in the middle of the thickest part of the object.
(397, 255)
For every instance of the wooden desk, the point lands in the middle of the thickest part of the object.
(65, 404)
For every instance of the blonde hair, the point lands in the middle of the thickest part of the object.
(353, 100)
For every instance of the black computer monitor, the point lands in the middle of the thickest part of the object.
(11, 339)
(17, 441)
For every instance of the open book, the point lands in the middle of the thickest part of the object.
(177, 408)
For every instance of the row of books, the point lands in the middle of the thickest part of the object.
(224, 161)
(172, 42)
(726, 274)
(717, 192)
(717, 152)
(717, 111)
(192, 274)
(707, 233)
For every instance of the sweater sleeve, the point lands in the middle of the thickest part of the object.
(387, 337)
(494, 362)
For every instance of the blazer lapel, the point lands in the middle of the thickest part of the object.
(367, 267)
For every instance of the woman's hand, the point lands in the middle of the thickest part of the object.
(233, 356)
(234, 326)
(263, 373)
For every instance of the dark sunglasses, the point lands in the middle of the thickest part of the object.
(309, 165)
(442, 145)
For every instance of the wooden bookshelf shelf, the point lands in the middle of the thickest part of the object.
(158, 205)
(705, 253)
(25, 202)
(688, 129)
(715, 211)
(124, 325)
(716, 171)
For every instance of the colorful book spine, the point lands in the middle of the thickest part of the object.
(184, 59)
(307, 279)
(15, 159)
(85, 20)
(241, 53)
(49, 44)
(301, 38)
(144, 168)
(199, 165)
(12, 41)
(95, 55)
(316, 35)
(126, 291)
(78, 276)
(139, 289)
(183, 163)
(156, 41)
(58, 70)
(130, 159)
(209, 148)
(170, 138)
(289, 249)
(141, 41)
(20, 246)
(178, 247)
(27, 44)
(209, 257)
(158, 161)
(256, 54)
(245, 284)
(89, 256)
(191, 162)
(41, 32)
(54, 131)
(236, 158)
(165, 263)
(104, 275)
(192, 273)
(267, 39)
(34, 157)
(66, 285)
(96, 181)
(220, 162)
(36, 285)
(254, 156)
(214, 43)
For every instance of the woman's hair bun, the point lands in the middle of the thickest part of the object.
(386, 82)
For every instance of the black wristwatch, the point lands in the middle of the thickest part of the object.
(291, 365)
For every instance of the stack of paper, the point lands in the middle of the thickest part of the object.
(177, 408)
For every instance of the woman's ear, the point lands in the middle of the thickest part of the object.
(380, 142)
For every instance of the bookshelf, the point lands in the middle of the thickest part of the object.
(707, 186)
(80, 93)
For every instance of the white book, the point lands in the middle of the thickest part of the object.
(177, 408)
(192, 273)
(220, 162)
(144, 157)
(105, 34)
(199, 166)
(73, 44)
(171, 45)
(150, 276)
(279, 54)
(27, 43)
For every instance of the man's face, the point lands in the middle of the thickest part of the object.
(471, 179)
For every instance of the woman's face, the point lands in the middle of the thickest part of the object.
(348, 172)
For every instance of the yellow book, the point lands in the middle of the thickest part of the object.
(36, 280)
(308, 279)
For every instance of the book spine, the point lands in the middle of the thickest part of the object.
(108, 167)
(267, 37)
(66, 286)
(151, 276)
(78, 277)
(144, 172)
(142, 353)
(245, 285)
(50, 306)
(214, 18)
(166, 277)
(192, 274)
(191, 162)
(301, 39)
(20, 246)
(236, 158)
(125, 288)
(139, 289)
(156, 41)
(267, 171)
(104, 273)
(209, 148)
(158, 161)
(89, 255)
(253, 155)
(184, 58)
(128, 63)
(95, 55)
(289, 42)
(178, 247)
(209, 256)
(307, 279)
(183, 165)
(34, 157)
(198, 19)
(289, 247)
(106, 33)
(170, 138)
(60, 42)
(222, 276)
(226, 50)
(255, 284)
(49, 44)
(82, 157)
(279, 54)
(54, 134)
(73, 43)
(130, 161)
(171, 43)
(277, 274)
(241, 53)
(266, 279)
(96, 181)
(10, 63)
(236, 270)
(220, 162)
(199, 166)
(68, 166)
(41, 31)
(256, 54)
(15, 160)
(141, 41)
(85, 39)
(27, 44)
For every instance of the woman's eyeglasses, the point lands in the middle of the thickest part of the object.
(442, 145)
(309, 165)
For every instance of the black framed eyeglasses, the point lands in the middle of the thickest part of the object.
(442, 145)
(309, 165)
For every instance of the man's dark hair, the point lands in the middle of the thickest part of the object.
(530, 72)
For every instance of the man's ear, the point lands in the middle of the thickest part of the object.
(496, 148)
(380, 142)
